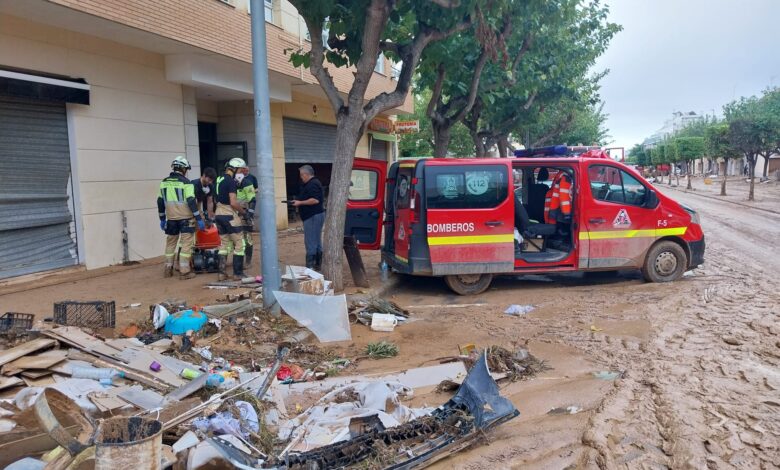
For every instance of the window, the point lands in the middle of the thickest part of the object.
(380, 65)
(403, 187)
(269, 9)
(608, 183)
(363, 185)
(466, 187)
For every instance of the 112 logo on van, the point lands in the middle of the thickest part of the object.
(448, 228)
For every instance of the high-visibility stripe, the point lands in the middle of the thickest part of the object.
(408, 165)
(471, 239)
(609, 234)
(401, 258)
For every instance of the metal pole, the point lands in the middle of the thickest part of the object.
(266, 216)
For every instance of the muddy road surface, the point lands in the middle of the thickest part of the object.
(697, 361)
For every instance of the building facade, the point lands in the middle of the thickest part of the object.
(98, 96)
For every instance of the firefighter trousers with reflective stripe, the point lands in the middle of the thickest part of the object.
(180, 234)
(230, 227)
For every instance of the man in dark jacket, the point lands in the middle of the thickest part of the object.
(309, 203)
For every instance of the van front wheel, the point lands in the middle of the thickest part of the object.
(666, 261)
(468, 284)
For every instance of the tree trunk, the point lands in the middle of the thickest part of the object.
(503, 145)
(752, 166)
(689, 181)
(348, 132)
(441, 140)
(766, 165)
(725, 176)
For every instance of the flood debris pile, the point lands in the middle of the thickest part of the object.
(226, 385)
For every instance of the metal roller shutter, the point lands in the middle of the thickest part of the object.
(308, 142)
(35, 233)
(378, 149)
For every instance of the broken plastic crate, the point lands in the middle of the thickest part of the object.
(92, 314)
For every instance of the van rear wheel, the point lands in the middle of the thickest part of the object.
(666, 261)
(468, 284)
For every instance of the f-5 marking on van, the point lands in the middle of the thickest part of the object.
(545, 211)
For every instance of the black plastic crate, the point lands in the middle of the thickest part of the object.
(13, 321)
(94, 314)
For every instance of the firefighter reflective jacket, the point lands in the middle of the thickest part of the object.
(557, 202)
(176, 200)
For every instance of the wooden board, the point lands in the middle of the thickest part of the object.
(79, 339)
(40, 382)
(37, 374)
(24, 349)
(7, 382)
(40, 361)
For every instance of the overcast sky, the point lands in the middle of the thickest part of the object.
(685, 55)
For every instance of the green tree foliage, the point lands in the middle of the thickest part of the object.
(638, 155)
(752, 130)
(555, 44)
(688, 150)
(718, 146)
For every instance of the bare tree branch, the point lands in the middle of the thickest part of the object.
(530, 101)
(323, 76)
(447, 3)
(436, 93)
(561, 127)
(410, 55)
(377, 14)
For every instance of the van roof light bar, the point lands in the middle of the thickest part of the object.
(542, 151)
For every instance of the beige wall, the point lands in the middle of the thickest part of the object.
(124, 140)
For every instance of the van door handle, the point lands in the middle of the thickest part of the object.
(494, 223)
(597, 221)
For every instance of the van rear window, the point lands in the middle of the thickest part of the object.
(402, 186)
(466, 187)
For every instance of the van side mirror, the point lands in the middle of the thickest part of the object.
(651, 199)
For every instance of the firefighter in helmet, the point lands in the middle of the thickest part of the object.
(228, 217)
(179, 215)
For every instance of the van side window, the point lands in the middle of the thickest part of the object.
(611, 184)
(466, 187)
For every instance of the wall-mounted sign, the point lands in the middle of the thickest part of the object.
(381, 125)
(407, 127)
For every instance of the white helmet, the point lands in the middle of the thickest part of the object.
(236, 163)
(180, 163)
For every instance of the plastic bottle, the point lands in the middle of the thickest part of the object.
(95, 373)
(190, 374)
(385, 270)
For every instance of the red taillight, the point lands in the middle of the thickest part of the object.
(414, 204)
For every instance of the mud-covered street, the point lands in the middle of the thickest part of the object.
(677, 375)
(699, 383)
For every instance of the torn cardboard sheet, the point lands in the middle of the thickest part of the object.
(24, 349)
(326, 316)
(43, 360)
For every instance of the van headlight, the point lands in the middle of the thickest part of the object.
(694, 215)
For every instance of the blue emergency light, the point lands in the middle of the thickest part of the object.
(542, 151)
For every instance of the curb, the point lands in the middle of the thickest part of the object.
(716, 198)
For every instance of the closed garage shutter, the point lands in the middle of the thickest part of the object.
(308, 142)
(379, 149)
(35, 233)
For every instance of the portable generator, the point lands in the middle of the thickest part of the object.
(205, 251)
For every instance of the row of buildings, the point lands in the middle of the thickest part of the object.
(98, 96)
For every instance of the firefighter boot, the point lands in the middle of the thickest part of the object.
(168, 270)
(248, 254)
(185, 276)
(318, 261)
(310, 261)
(238, 267)
(221, 267)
